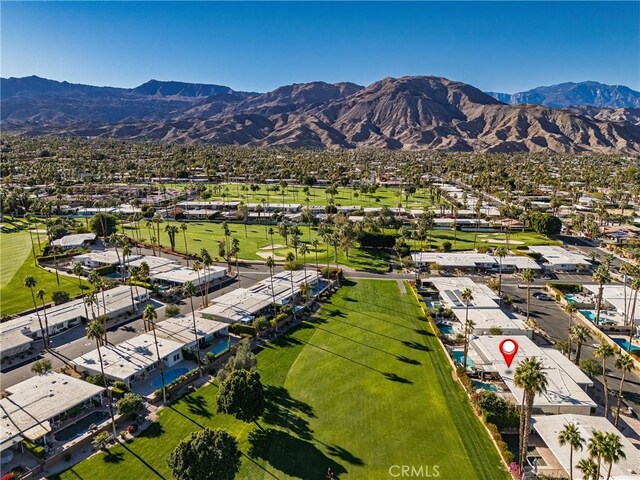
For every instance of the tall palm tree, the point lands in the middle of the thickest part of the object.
(570, 435)
(467, 297)
(570, 308)
(30, 282)
(596, 448)
(207, 261)
(149, 316)
(270, 264)
(304, 249)
(271, 232)
(40, 295)
(601, 276)
(625, 364)
(635, 286)
(316, 244)
(581, 335)
(604, 351)
(290, 258)
(95, 331)
(183, 227)
(500, 252)
(588, 468)
(531, 378)
(528, 277)
(196, 267)
(613, 451)
(78, 271)
(189, 290)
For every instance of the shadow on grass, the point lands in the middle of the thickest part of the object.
(197, 405)
(186, 416)
(417, 346)
(144, 462)
(397, 378)
(283, 411)
(293, 456)
(344, 454)
(110, 457)
(152, 431)
(410, 361)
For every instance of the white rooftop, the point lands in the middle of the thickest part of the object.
(487, 318)
(33, 402)
(180, 328)
(555, 255)
(451, 288)
(238, 305)
(615, 295)
(129, 357)
(549, 427)
(563, 377)
(107, 257)
(183, 275)
(74, 240)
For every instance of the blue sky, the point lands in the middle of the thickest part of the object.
(504, 46)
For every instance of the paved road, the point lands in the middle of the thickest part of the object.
(555, 322)
(73, 343)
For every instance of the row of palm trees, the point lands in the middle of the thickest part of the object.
(603, 448)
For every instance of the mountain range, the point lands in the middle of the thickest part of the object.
(421, 112)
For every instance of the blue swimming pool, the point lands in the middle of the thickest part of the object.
(224, 344)
(570, 298)
(484, 386)
(458, 356)
(446, 329)
(169, 376)
(624, 344)
(590, 315)
(80, 427)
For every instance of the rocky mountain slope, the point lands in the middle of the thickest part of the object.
(398, 113)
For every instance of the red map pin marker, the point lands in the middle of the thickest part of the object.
(508, 348)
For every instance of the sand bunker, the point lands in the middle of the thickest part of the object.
(495, 240)
(266, 255)
(276, 246)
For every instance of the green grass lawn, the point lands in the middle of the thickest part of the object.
(384, 196)
(254, 239)
(17, 262)
(464, 240)
(362, 387)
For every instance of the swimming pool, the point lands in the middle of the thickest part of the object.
(446, 329)
(458, 356)
(590, 315)
(79, 427)
(484, 386)
(169, 376)
(224, 344)
(624, 344)
(570, 298)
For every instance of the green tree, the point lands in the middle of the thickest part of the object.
(625, 364)
(42, 366)
(242, 395)
(243, 359)
(206, 455)
(580, 334)
(600, 276)
(30, 282)
(528, 277)
(95, 331)
(129, 403)
(103, 224)
(60, 296)
(588, 468)
(570, 435)
(613, 451)
(570, 309)
(149, 316)
(500, 252)
(467, 297)
(189, 290)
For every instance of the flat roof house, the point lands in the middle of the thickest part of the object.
(102, 259)
(180, 330)
(178, 276)
(567, 384)
(33, 407)
(614, 296)
(549, 427)
(561, 260)
(79, 240)
(238, 306)
(131, 360)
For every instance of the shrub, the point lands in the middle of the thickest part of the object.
(591, 367)
(240, 328)
(60, 296)
(464, 378)
(42, 366)
(106, 270)
(101, 440)
(34, 448)
(130, 403)
(446, 246)
(103, 224)
(567, 287)
(261, 323)
(95, 379)
(495, 331)
(172, 310)
(376, 240)
(117, 392)
(121, 385)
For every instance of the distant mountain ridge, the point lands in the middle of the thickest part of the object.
(420, 112)
(590, 94)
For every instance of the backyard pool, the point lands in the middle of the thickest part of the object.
(79, 427)
(590, 315)
(169, 376)
(458, 356)
(446, 329)
(570, 298)
(224, 344)
(624, 344)
(484, 386)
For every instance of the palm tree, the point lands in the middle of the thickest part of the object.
(613, 451)
(531, 378)
(570, 308)
(635, 286)
(570, 435)
(588, 468)
(581, 335)
(290, 258)
(528, 277)
(304, 249)
(149, 316)
(604, 351)
(196, 267)
(624, 363)
(183, 227)
(95, 331)
(40, 295)
(189, 290)
(270, 264)
(77, 271)
(467, 297)
(601, 276)
(207, 261)
(596, 448)
(271, 232)
(30, 282)
(500, 252)
(316, 244)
